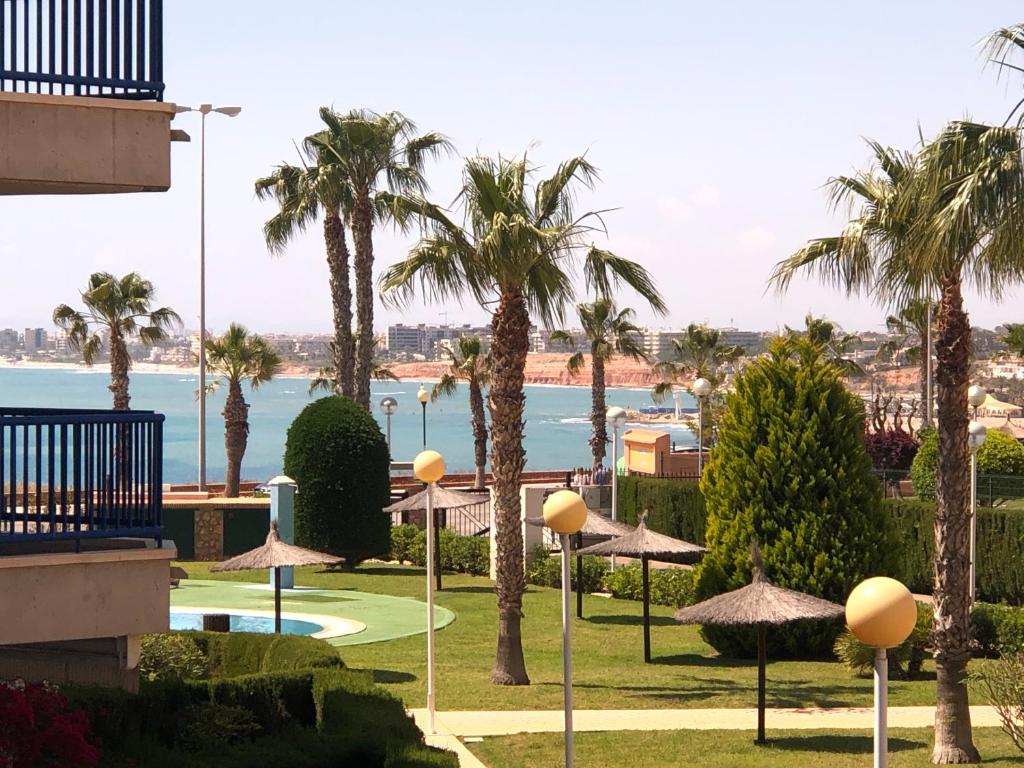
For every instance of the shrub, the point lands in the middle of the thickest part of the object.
(461, 554)
(337, 455)
(1000, 454)
(39, 728)
(204, 725)
(997, 629)
(904, 661)
(791, 473)
(229, 654)
(673, 587)
(1002, 683)
(891, 449)
(674, 507)
(171, 656)
(545, 570)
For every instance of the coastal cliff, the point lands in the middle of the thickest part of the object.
(547, 368)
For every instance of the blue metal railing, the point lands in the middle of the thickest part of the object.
(79, 474)
(107, 48)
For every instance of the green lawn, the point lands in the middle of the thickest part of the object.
(727, 749)
(609, 671)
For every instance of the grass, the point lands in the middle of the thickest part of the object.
(726, 749)
(609, 672)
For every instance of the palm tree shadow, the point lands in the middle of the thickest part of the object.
(845, 744)
(656, 621)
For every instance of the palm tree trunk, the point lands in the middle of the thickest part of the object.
(598, 409)
(362, 236)
(119, 365)
(236, 436)
(476, 407)
(951, 631)
(341, 300)
(508, 360)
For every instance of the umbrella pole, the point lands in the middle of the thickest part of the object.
(579, 576)
(277, 601)
(647, 609)
(437, 550)
(761, 663)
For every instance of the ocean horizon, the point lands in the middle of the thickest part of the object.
(556, 433)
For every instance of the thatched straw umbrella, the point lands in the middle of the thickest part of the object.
(759, 604)
(275, 554)
(444, 498)
(648, 545)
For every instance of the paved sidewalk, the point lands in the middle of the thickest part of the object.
(484, 723)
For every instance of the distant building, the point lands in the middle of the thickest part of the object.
(752, 342)
(35, 340)
(429, 340)
(8, 341)
(659, 344)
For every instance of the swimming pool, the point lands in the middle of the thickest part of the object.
(241, 622)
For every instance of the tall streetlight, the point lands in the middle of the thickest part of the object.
(976, 434)
(701, 389)
(428, 467)
(204, 110)
(617, 418)
(423, 396)
(565, 513)
(388, 406)
(881, 613)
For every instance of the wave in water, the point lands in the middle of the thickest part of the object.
(575, 420)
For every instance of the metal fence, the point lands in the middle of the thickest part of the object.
(107, 48)
(77, 474)
(473, 520)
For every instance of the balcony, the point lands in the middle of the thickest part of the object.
(81, 92)
(75, 475)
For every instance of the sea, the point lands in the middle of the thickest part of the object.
(556, 433)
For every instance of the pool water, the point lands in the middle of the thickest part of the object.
(244, 623)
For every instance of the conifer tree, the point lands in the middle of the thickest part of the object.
(790, 472)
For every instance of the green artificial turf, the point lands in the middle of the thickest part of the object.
(908, 748)
(609, 672)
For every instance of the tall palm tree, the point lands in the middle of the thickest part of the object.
(238, 356)
(514, 255)
(122, 310)
(468, 362)
(1012, 338)
(609, 332)
(326, 380)
(374, 153)
(699, 354)
(909, 326)
(835, 342)
(301, 194)
(963, 197)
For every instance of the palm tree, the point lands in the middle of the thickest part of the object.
(326, 380)
(301, 194)
(830, 337)
(517, 249)
(962, 199)
(699, 354)
(468, 362)
(372, 151)
(1012, 338)
(909, 326)
(122, 310)
(609, 332)
(238, 356)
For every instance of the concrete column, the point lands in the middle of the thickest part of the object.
(282, 509)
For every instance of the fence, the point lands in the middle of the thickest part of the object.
(473, 520)
(107, 48)
(76, 474)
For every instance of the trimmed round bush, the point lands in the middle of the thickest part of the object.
(790, 472)
(891, 448)
(1000, 454)
(337, 455)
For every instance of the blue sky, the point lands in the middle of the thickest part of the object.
(714, 126)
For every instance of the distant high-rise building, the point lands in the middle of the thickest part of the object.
(752, 342)
(35, 340)
(8, 341)
(427, 340)
(658, 344)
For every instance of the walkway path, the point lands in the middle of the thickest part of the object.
(454, 725)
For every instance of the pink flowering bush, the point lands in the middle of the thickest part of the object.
(38, 729)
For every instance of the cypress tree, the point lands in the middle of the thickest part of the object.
(791, 473)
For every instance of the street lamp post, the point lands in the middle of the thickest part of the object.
(203, 110)
(976, 434)
(701, 388)
(423, 396)
(388, 406)
(565, 513)
(617, 417)
(428, 467)
(881, 613)
(976, 398)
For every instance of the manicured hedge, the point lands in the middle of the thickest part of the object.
(545, 570)
(319, 716)
(461, 554)
(674, 507)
